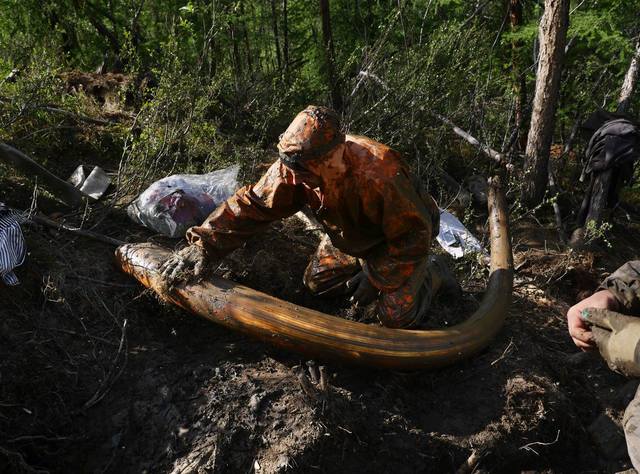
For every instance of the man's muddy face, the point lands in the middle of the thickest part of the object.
(299, 172)
(329, 167)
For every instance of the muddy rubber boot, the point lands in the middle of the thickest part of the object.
(444, 281)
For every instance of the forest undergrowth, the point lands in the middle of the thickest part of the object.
(97, 375)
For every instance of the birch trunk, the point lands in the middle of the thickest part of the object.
(553, 34)
(629, 83)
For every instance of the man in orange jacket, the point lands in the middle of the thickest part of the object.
(378, 219)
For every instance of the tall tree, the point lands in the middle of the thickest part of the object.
(327, 40)
(285, 35)
(630, 79)
(553, 35)
(274, 26)
(519, 80)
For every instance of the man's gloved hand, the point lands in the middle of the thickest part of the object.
(185, 264)
(363, 291)
(618, 338)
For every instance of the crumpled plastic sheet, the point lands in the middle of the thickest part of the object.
(13, 249)
(173, 204)
(455, 238)
(93, 183)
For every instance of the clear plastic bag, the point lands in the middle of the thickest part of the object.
(455, 238)
(173, 204)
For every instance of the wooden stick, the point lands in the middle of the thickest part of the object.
(56, 110)
(81, 232)
(79, 117)
(487, 150)
(65, 191)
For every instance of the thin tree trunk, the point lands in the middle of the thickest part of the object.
(245, 36)
(519, 81)
(553, 35)
(556, 206)
(629, 83)
(95, 18)
(285, 35)
(327, 39)
(274, 25)
(136, 36)
(236, 53)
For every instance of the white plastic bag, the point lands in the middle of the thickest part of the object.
(454, 237)
(173, 204)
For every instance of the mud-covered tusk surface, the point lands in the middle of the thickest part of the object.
(321, 335)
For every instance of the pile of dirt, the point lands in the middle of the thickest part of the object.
(105, 88)
(99, 376)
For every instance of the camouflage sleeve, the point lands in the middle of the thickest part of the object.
(249, 211)
(624, 283)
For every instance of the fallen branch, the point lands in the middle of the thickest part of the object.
(487, 150)
(67, 113)
(65, 191)
(79, 117)
(81, 232)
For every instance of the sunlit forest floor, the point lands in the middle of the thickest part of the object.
(99, 376)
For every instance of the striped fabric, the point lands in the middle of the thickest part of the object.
(12, 246)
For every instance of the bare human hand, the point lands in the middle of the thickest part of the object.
(579, 329)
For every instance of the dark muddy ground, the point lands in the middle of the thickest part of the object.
(98, 376)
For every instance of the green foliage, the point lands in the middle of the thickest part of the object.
(226, 85)
(595, 232)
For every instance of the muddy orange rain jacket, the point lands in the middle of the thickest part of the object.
(377, 211)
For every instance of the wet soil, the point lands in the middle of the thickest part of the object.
(99, 376)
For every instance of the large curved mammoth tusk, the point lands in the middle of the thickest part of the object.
(320, 335)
